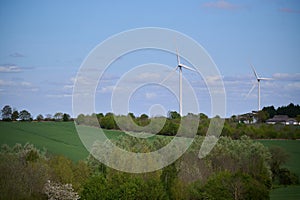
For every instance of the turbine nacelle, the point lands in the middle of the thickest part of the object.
(179, 66)
(258, 79)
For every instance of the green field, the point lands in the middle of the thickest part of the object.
(293, 149)
(286, 193)
(62, 138)
(57, 138)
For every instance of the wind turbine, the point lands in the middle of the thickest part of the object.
(179, 66)
(258, 83)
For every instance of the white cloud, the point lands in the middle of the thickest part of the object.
(26, 84)
(287, 77)
(59, 95)
(148, 76)
(10, 69)
(107, 89)
(6, 83)
(294, 86)
(17, 86)
(68, 87)
(213, 79)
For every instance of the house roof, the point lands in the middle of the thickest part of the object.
(281, 118)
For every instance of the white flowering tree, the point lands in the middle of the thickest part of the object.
(58, 191)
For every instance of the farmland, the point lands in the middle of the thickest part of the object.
(61, 138)
(293, 163)
(56, 138)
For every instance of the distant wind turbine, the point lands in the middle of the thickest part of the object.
(179, 66)
(258, 83)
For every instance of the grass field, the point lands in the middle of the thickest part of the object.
(62, 138)
(57, 138)
(286, 193)
(293, 149)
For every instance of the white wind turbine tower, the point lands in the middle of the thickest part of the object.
(258, 83)
(179, 66)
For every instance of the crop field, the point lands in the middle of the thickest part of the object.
(62, 138)
(293, 149)
(56, 138)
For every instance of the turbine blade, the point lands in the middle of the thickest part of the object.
(186, 67)
(266, 79)
(178, 58)
(169, 75)
(254, 72)
(254, 85)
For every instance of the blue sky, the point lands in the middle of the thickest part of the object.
(43, 44)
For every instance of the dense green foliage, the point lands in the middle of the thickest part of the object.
(290, 110)
(232, 127)
(238, 162)
(233, 170)
(25, 170)
(260, 131)
(226, 185)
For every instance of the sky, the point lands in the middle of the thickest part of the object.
(44, 43)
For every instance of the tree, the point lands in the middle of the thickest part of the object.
(108, 121)
(291, 110)
(144, 120)
(48, 117)
(173, 115)
(278, 158)
(286, 177)
(144, 117)
(66, 117)
(40, 117)
(244, 156)
(60, 191)
(203, 116)
(270, 110)
(80, 119)
(58, 116)
(95, 188)
(233, 118)
(6, 113)
(227, 185)
(298, 118)
(122, 186)
(25, 115)
(131, 115)
(262, 116)
(168, 178)
(23, 172)
(15, 115)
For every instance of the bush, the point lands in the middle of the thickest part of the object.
(287, 178)
(122, 186)
(226, 186)
(23, 172)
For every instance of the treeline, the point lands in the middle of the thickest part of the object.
(108, 121)
(232, 126)
(235, 169)
(290, 110)
(9, 114)
(236, 130)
